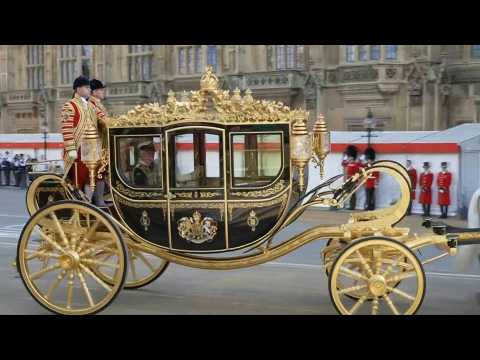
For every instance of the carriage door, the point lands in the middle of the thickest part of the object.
(196, 189)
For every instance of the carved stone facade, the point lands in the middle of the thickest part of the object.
(423, 87)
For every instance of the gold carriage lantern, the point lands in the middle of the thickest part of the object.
(301, 149)
(91, 151)
(321, 143)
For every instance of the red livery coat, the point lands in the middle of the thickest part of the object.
(426, 180)
(444, 180)
(412, 173)
(78, 173)
(351, 167)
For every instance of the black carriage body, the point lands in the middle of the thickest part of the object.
(222, 211)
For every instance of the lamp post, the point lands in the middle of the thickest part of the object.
(369, 124)
(45, 135)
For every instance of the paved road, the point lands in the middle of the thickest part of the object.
(294, 284)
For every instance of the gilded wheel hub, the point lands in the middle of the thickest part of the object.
(377, 285)
(69, 260)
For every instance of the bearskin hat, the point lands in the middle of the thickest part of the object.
(370, 154)
(352, 151)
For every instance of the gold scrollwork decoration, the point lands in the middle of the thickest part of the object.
(262, 193)
(193, 107)
(211, 205)
(197, 229)
(206, 194)
(137, 194)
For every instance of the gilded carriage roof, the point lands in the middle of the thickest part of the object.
(209, 104)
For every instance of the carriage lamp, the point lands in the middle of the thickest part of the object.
(321, 143)
(301, 149)
(91, 151)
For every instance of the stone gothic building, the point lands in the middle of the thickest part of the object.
(407, 87)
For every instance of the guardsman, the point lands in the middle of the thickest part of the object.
(444, 180)
(351, 166)
(97, 96)
(426, 180)
(412, 173)
(75, 116)
(143, 173)
(372, 181)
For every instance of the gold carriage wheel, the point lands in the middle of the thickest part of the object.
(32, 193)
(143, 268)
(57, 248)
(384, 263)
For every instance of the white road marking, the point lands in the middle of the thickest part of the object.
(15, 216)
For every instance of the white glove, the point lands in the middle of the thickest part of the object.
(72, 154)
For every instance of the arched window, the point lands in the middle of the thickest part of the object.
(391, 52)
(290, 57)
(35, 68)
(350, 53)
(476, 51)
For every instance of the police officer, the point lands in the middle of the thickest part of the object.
(444, 180)
(426, 180)
(372, 181)
(143, 173)
(351, 166)
(412, 173)
(7, 167)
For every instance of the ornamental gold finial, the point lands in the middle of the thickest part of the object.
(209, 81)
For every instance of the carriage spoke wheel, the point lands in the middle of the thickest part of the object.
(44, 190)
(388, 279)
(59, 246)
(143, 267)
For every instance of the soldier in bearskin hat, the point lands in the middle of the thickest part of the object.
(351, 166)
(372, 181)
(444, 180)
(75, 115)
(426, 180)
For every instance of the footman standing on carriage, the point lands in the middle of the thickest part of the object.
(372, 181)
(444, 180)
(75, 115)
(97, 95)
(412, 173)
(426, 180)
(351, 166)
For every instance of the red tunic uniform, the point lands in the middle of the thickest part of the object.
(72, 113)
(426, 180)
(351, 167)
(372, 180)
(413, 179)
(444, 180)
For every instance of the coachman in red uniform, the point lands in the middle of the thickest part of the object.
(351, 166)
(426, 180)
(372, 181)
(444, 180)
(412, 173)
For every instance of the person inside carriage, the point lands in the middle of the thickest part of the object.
(144, 173)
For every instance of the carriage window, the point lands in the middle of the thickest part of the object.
(139, 161)
(198, 157)
(257, 159)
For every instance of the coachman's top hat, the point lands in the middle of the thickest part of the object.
(80, 81)
(426, 164)
(444, 164)
(96, 84)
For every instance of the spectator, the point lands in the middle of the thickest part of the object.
(6, 167)
(22, 172)
(16, 169)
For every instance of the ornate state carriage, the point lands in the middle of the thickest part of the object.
(215, 173)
